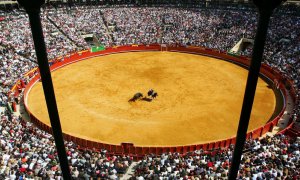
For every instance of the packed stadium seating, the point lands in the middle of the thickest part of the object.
(28, 152)
(270, 157)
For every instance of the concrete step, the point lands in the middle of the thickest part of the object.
(129, 172)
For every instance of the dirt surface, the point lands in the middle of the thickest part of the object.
(199, 99)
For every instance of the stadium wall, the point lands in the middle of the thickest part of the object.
(126, 148)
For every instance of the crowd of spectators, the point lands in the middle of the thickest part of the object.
(81, 21)
(17, 51)
(213, 29)
(275, 157)
(282, 52)
(130, 23)
(27, 152)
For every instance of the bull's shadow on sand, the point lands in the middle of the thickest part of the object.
(146, 99)
(141, 99)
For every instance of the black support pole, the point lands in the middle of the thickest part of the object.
(33, 10)
(70, 3)
(265, 9)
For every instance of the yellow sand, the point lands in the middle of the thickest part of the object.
(199, 99)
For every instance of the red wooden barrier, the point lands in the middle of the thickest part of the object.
(146, 150)
(223, 144)
(139, 150)
(192, 148)
(107, 147)
(248, 136)
(256, 133)
(113, 148)
(166, 149)
(132, 150)
(266, 128)
(217, 144)
(184, 149)
(79, 142)
(152, 150)
(89, 144)
(204, 146)
(84, 141)
(198, 147)
(172, 149)
(233, 140)
(211, 145)
(160, 150)
(228, 142)
(119, 149)
(99, 145)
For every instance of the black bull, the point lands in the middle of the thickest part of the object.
(136, 97)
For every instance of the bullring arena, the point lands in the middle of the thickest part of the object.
(199, 97)
(106, 57)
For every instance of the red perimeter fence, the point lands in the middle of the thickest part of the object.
(127, 148)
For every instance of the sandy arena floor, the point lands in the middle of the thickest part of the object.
(199, 99)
